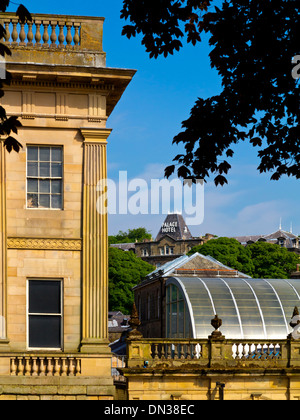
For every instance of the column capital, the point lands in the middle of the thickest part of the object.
(95, 135)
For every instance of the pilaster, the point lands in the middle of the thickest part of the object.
(3, 253)
(95, 244)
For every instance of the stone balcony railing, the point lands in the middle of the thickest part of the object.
(210, 353)
(33, 364)
(47, 38)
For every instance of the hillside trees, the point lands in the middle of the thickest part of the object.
(130, 236)
(125, 270)
(229, 252)
(258, 260)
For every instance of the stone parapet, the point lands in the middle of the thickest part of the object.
(55, 39)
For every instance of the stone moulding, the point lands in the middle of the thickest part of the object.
(45, 243)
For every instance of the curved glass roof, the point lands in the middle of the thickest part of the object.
(249, 308)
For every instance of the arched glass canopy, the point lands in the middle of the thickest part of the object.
(249, 308)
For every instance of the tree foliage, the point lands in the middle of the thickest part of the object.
(258, 260)
(125, 270)
(9, 125)
(132, 235)
(272, 261)
(253, 43)
(229, 252)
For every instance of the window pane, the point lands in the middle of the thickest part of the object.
(56, 202)
(32, 200)
(56, 154)
(174, 320)
(45, 331)
(44, 186)
(174, 293)
(44, 200)
(56, 186)
(45, 154)
(32, 153)
(44, 169)
(44, 296)
(56, 170)
(32, 185)
(32, 169)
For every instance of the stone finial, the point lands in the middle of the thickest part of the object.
(134, 324)
(216, 322)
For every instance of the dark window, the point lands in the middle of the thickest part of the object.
(44, 314)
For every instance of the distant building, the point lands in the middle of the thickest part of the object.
(117, 324)
(280, 237)
(125, 246)
(173, 240)
(179, 299)
(151, 296)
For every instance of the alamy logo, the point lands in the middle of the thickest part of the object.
(296, 69)
(159, 196)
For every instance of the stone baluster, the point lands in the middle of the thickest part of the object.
(188, 352)
(13, 366)
(30, 34)
(61, 36)
(34, 366)
(244, 351)
(27, 366)
(64, 367)
(76, 38)
(53, 36)
(56, 366)
(20, 367)
(45, 34)
(155, 352)
(71, 366)
(38, 35)
(14, 34)
(7, 33)
(22, 34)
(42, 366)
(78, 367)
(49, 367)
(181, 351)
(69, 37)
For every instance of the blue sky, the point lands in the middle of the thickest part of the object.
(150, 113)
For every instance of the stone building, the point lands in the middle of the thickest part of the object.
(153, 301)
(53, 255)
(174, 354)
(280, 237)
(173, 240)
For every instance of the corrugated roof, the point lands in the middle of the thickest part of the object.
(249, 308)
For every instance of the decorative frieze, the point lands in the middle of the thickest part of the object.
(44, 244)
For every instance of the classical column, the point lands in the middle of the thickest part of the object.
(95, 244)
(3, 252)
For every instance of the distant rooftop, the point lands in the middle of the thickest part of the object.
(196, 265)
(289, 238)
(175, 227)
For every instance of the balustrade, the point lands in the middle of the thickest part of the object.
(44, 366)
(207, 352)
(42, 32)
(256, 351)
(183, 350)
